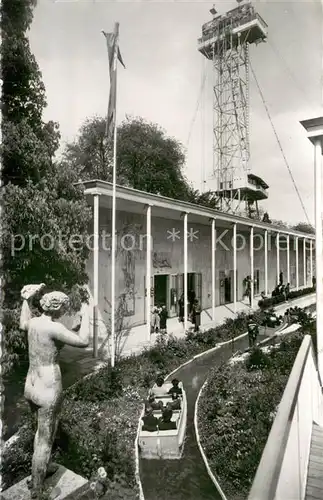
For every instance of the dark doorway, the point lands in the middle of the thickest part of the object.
(225, 288)
(160, 289)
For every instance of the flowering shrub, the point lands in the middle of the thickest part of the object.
(236, 411)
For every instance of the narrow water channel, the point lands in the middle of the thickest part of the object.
(187, 478)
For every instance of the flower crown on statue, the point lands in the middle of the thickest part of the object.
(54, 301)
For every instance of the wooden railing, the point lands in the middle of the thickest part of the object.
(282, 471)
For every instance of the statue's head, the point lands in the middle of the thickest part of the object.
(54, 304)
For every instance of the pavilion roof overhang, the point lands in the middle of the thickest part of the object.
(135, 201)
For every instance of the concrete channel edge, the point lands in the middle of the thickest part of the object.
(197, 434)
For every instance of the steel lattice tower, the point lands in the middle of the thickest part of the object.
(225, 41)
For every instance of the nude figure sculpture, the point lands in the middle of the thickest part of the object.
(43, 387)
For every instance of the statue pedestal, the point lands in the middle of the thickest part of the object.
(63, 483)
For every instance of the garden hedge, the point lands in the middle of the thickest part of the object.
(273, 301)
(236, 411)
(100, 412)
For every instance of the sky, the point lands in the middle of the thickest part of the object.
(164, 71)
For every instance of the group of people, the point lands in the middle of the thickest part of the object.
(159, 319)
(150, 422)
(160, 314)
(281, 289)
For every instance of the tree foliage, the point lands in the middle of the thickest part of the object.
(42, 207)
(147, 159)
(28, 143)
(304, 227)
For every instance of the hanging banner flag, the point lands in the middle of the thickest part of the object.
(112, 40)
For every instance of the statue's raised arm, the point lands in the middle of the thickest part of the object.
(62, 334)
(27, 293)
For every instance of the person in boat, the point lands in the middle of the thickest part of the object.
(175, 404)
(150, 421)
(152, 403)
(175, 387)
(159, 389)
(165, 422)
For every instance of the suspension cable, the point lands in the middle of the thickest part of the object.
(197, 106)
(279, 143)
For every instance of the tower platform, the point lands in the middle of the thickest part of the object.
(255, 189)
(240, 25)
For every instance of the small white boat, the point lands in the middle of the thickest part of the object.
(165, 444)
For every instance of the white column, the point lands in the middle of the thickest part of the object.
(311, 262)
(304, 261)
(319, 253)
(288, 260)
(213, 268)
(96, 209)
(235, 267)
(148, 271)
(296, 257)
(251, 267)
(277, 257)
(185, 272)
(314, 128)
(266, 262)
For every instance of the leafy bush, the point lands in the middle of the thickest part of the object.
(257, 360)
(108, 386)
(236, 412)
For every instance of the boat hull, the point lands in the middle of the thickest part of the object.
(168, 444)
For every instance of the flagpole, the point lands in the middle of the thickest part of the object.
(113, 243)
